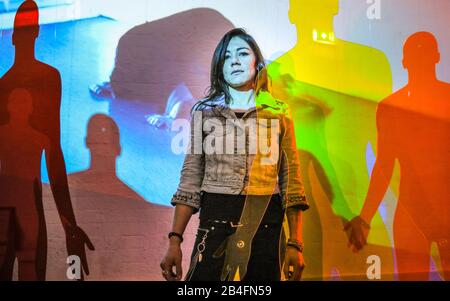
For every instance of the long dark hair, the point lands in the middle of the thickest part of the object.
(218, 86)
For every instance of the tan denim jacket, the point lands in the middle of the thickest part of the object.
(214, 164)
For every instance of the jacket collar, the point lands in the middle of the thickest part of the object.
(264, 102)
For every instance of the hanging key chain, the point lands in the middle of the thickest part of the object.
(202, 245)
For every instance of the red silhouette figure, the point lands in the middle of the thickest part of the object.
(27, 129)
(414, 128)
(20, 154)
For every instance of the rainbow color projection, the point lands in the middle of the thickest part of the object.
(89, 93)
(345, 119)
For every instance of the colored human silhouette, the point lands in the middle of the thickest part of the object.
(128, 230)
(333, 86)
(414, 129)
(20, 153)
(321, 59)
(42, 84)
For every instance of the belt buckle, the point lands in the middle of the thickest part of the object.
(233, 225)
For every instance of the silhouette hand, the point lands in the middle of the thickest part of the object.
(294, 264)
(163, 122)
(237, 254)
(76, 239)
(357, 231)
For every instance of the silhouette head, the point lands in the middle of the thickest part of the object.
(312, 12)
(20, 103)
(420, 52)
(103, 136)
(26, 23)
(197, 32)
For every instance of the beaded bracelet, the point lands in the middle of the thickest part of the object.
(177, 235)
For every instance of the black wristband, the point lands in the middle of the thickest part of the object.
(177, 235)
(295, 244)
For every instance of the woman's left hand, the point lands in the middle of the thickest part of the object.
(293, 264)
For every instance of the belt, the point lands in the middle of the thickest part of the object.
(232, 224)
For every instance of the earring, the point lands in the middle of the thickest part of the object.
(260, 67)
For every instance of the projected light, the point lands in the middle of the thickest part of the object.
(323, 37)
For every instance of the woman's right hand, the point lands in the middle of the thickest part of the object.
(172, 258)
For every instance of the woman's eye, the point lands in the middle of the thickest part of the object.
(243, 54)
(227, 57)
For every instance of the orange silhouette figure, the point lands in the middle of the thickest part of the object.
(414, 128)
(31, 124)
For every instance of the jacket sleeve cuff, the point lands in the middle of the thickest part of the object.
(191, 199)
(295, 200)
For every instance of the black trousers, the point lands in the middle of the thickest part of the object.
(217, 210)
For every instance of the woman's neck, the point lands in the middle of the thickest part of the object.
(241, 99)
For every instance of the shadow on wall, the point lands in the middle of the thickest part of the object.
(130, 234)
(154, 58)
(414, 128)
(332, 87)
(30, 98)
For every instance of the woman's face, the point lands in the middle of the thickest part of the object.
(239, 67)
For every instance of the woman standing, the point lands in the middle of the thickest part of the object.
(243, 179)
